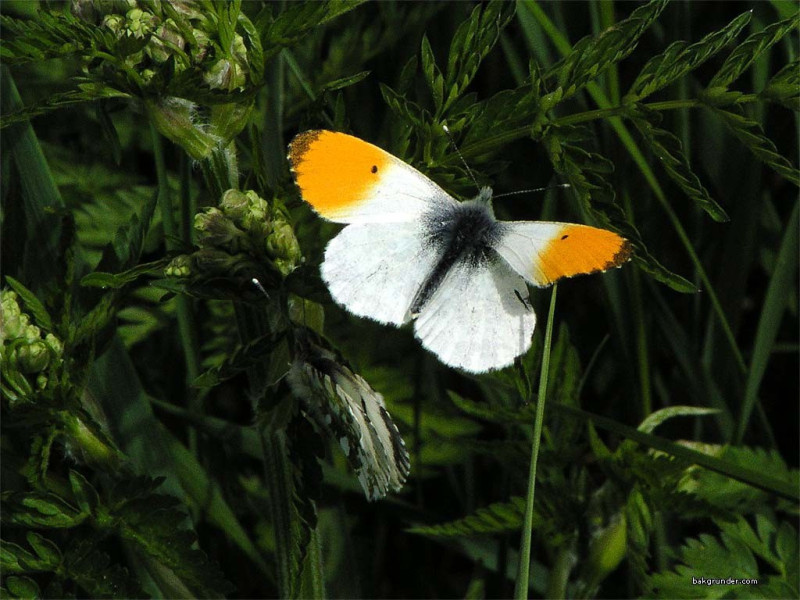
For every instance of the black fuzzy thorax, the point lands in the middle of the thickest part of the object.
(463, 234)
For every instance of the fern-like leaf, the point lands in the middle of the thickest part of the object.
(748, 51)
(495, 518)
(749, 132)
(669, 150)
(680, 58)
(593, 55)
(733, 555)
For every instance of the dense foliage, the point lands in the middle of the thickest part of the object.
(171, 430)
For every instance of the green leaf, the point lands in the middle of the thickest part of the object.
(297, 21)
(471, 43)
(405, 109)
(38, 203)
(117, 281)
(343, 82)
(33, 305)
(155, 451)
(748, 51)
(85, 494)
(433, 77)
(680, 58)
(784, 87)
(745, 475)
(781, 284)
(243, 358)
(730, 494)
(751, 135)
(91, 568)
(41, 510)
(22, 587)
(669, 150)
(732, 553)
(592, 55)
(48, 553)
(657, 418)
(496, 518)
(155, 526)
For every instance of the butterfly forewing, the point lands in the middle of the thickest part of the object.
(544, 252)
(348, 180)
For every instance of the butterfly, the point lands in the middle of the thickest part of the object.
(344, 406)
(412, 252)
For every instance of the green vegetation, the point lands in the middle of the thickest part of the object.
(170, 430)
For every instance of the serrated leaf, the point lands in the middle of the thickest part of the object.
(784, 87)
(39, 510)
(592, 55)
(405, 109)
(33, 305)
(748, 51)
(730, 494)
(496, 518)
(430, 71)
(471, 43)
(47, 552)
(731, 553)
(680, 58)
(749, 132)
(57, 101)
(669, 150)
(297, 21)
(493, 414)
(16, 559)
(505, 110)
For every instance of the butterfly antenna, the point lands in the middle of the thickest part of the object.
(541, 189)
(461, 156)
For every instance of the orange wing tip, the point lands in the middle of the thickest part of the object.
(579, 250)
(300, 145)
(336, 172)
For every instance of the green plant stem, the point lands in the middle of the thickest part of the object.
(186, 328)
(525, 552)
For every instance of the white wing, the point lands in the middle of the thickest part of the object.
(375, 270)
(479, 318)
(543, 252)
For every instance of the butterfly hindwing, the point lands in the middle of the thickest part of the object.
(376, 270)
(479, 318)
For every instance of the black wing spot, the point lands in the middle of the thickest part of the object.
(563, 237)
(374, 168)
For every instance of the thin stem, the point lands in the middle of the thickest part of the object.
(186, 328)
(525, 551)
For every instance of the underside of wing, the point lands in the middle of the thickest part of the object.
(348, 180)
(376, 270)
(479, 318)
(544, 252)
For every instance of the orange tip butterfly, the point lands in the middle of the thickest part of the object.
(412, 252)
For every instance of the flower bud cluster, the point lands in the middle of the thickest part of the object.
(24, 349)
(183, 30)
(244, 228)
